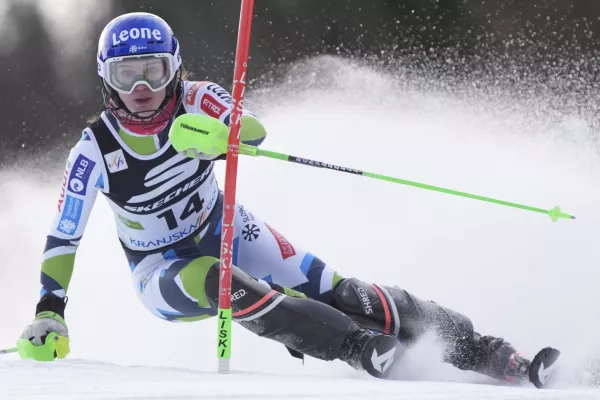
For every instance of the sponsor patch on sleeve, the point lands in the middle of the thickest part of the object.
(69, 220)
(222, 94)
(63, 188)
(190, 97)
(211, 106)
(80, 174)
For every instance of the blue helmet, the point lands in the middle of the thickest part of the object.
(141, 38)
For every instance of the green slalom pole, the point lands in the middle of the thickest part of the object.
(195, 134)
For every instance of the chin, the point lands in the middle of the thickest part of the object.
(146, 112)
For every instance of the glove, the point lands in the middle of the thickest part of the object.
(49, 321)
(45, 323)
(199, 136)
(193, 153)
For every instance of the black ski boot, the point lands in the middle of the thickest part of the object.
(396, 312)
(500, 360)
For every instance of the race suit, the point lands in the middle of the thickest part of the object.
(167, 210)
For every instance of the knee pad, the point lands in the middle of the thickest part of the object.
(370, 305)
(395, 311)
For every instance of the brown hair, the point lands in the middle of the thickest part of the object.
(185, 75)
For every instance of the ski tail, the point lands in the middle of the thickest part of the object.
(380, 355)
(543, 367)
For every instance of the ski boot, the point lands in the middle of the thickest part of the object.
(396, 312)
(500, 360)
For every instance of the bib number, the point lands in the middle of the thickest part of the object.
(194, 205)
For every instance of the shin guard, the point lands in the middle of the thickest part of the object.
(394, 311)
(302, 324)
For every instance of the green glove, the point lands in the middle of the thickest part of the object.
(190, 130)
(45, 339)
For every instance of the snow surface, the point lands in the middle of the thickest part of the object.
(515, 273)
(92, 380)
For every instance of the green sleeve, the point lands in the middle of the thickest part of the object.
(253, 132)
(57, 267)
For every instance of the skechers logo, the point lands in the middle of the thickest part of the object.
(136, 33)
(191, 128)
(365, 300)
(168, 183)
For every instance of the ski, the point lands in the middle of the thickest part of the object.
(380, 353)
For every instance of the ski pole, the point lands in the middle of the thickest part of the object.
(8, 351)
(193, 134)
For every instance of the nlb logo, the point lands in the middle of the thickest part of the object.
(80, 174)
(136, 33)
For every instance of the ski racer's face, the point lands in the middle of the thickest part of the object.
(134, 77)
(143, 100)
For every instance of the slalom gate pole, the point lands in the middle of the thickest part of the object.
(239, 86)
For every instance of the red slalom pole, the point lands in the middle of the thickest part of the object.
(233, 146)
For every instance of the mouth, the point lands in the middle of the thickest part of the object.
(142, 101)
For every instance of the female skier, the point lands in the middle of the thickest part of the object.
(168, 209)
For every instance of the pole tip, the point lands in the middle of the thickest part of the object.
(224, 366)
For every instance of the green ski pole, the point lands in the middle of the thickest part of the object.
(8, 351)
(185, 137)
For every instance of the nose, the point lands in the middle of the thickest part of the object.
(141, 88)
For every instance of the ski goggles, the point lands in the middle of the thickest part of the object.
(123, 74)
